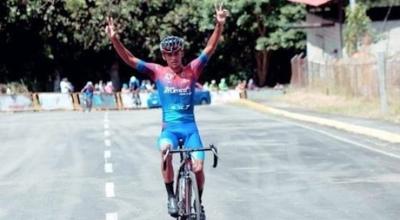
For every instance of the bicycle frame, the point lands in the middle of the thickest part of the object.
(136, 98)
(186, 180)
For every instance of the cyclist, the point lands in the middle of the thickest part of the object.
(88, 95)
(175, 84)
(134, 87)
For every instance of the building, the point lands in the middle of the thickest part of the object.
(325, 22)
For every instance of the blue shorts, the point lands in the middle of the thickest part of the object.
(171, 133)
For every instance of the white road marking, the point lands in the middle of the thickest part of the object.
(107, 154)
(108, 167)
(112, 216)
(110, 190)
(386, 136)
(106, 133)
(107, 142)
(348, 141)
(357, 129)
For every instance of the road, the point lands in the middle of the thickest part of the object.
(104, 165)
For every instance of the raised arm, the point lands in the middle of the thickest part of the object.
(124, 53)
(220, 14)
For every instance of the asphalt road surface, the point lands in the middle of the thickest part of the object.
(104, 165)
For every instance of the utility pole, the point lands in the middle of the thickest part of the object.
(382, 82)
(341, 20)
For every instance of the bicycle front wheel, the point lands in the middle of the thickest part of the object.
(180, 195)
(188, 197)
(193, 200)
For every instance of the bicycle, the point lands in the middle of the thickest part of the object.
(136, 98)
(186, 191)
(88, 102)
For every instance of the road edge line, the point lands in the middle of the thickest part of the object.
(357, 129)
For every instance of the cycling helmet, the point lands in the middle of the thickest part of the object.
(171, 44)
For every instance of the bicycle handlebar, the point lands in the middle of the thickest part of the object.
(211, 148)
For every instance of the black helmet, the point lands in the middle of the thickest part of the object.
(171, 44)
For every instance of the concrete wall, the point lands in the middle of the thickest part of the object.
(388, 35)
(322, 42)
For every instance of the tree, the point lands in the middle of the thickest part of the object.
(263, 26)
(68, 35)
(358, 25)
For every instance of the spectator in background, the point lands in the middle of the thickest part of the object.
(109, 89)
(241, 88)
(251, 85)
(134, 86)
(88, 91)
(222, 85)
(125, 88)
(49, 84)
(143, 85)
(205, 86)
(56, 82)
(101, 86)
(3, 89)
(96, 87)
(66, 86)
(213, 85)
(148, 86)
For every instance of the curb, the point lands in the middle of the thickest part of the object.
(379, 134)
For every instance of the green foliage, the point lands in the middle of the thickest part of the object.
(267, 20)
(358, 25)
(253, 26)
(66, 32)
(235, 78)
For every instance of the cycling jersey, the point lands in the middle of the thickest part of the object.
(176, 92)
(88, 91)
(134, 85)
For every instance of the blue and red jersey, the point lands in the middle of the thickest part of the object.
(176, 92)
(88, 90)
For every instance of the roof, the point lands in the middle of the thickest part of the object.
(312, 2)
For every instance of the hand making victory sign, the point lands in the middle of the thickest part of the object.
(110, 28)
(221, 13)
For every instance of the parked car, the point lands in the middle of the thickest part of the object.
(201, 97)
